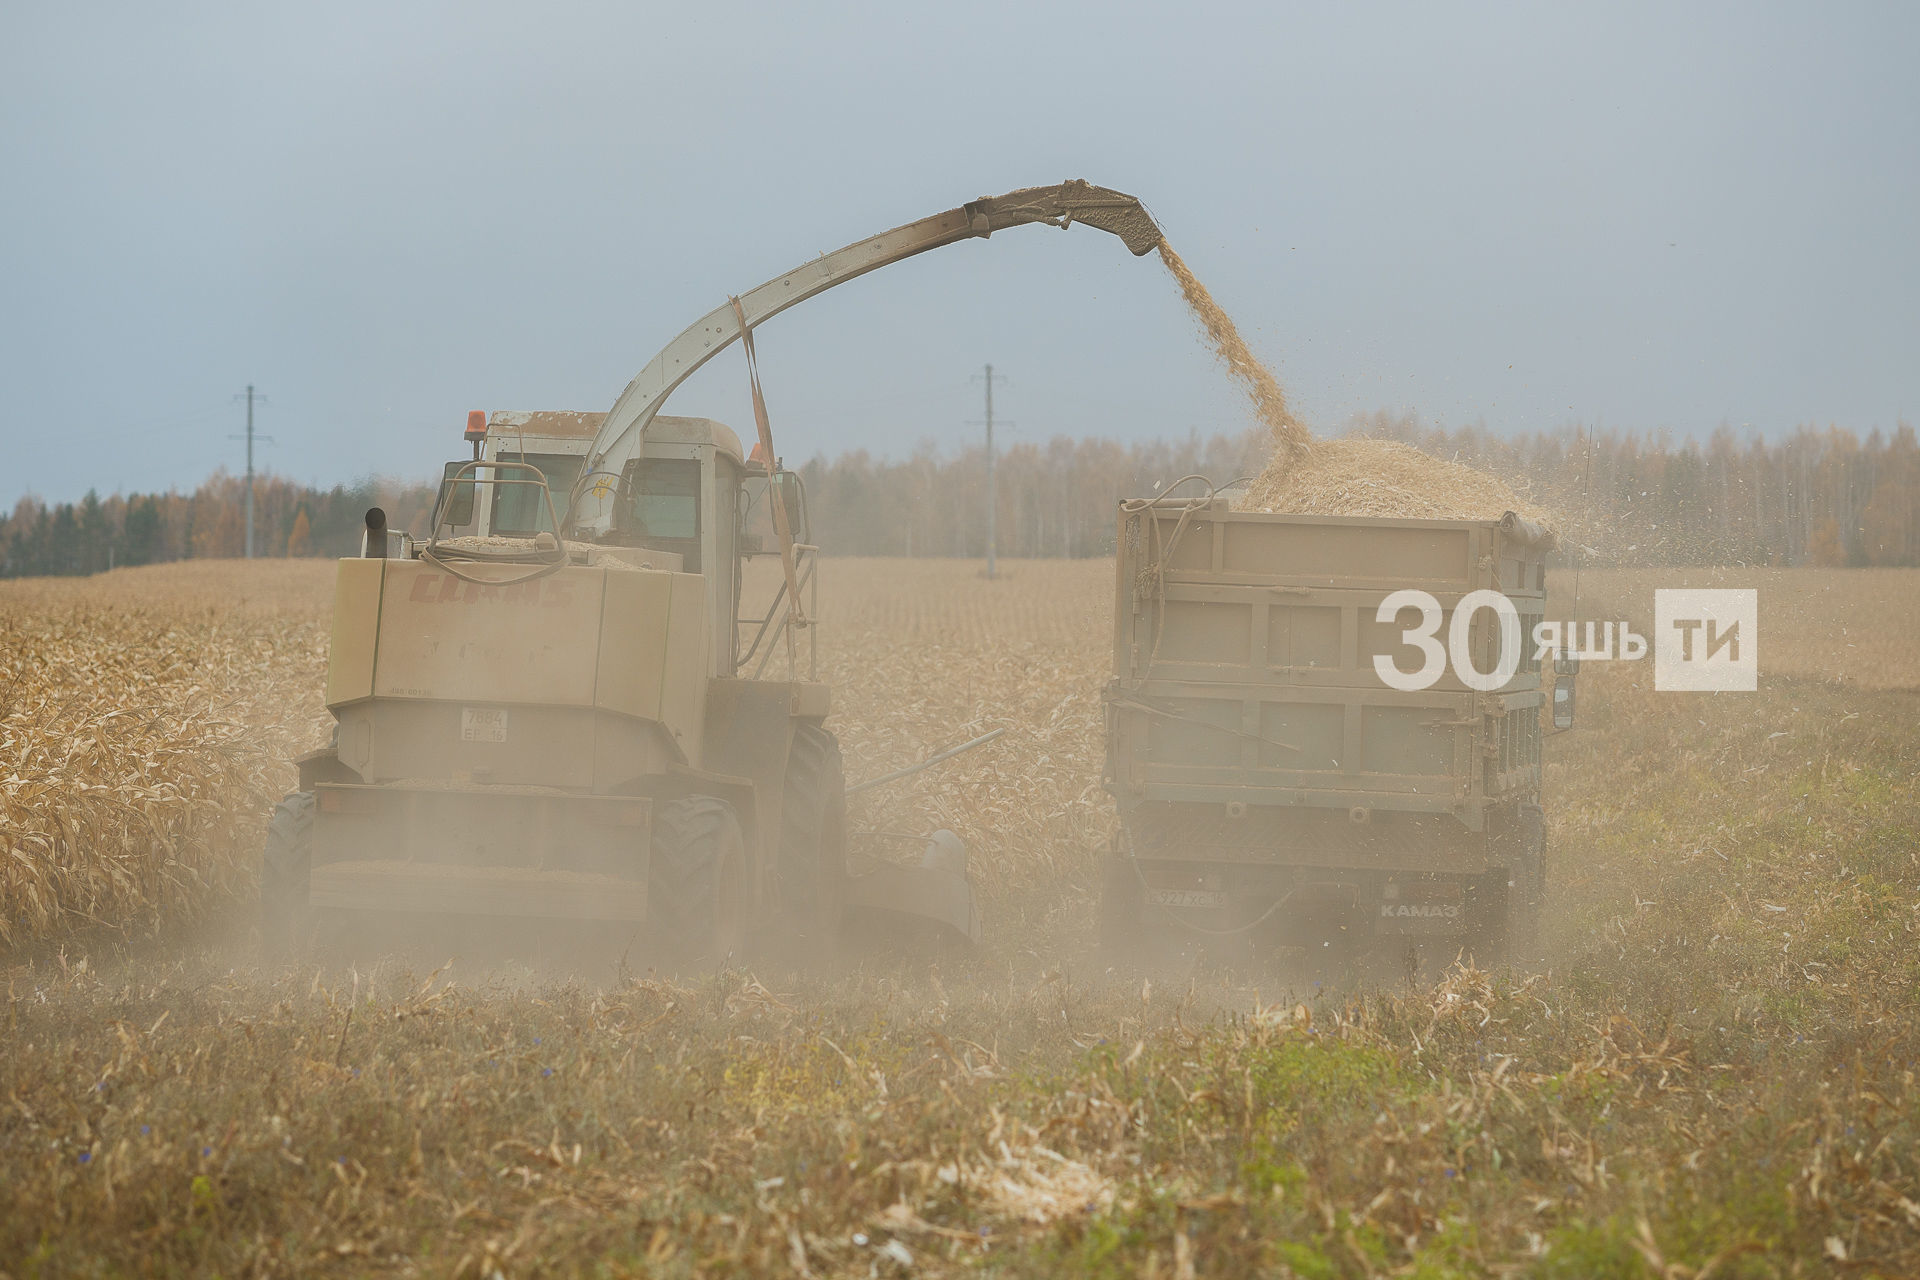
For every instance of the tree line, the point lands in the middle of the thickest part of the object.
(1051, 500)
(1821, 497)
(1817, 497)
(96, 534)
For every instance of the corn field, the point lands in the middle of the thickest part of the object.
(146, 718)
(1713, 1074)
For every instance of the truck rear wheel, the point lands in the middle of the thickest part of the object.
(286, 869)
(813, 834)
(1530, 886)
(1508, 933)
(1508, 898)
(1121, 929)
(698, 895)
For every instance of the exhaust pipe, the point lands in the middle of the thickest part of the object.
(373, 545)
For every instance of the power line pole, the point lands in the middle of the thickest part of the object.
(993, 507)
(249, 471)
(250, 398)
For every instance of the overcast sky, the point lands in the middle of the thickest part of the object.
(384, 215)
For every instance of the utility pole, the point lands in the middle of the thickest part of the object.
(249, 471)
(250, 398)
(993, 507)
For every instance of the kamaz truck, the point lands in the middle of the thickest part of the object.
(1273, 784)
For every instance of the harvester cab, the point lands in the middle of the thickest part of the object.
(554, 706)
(690, 501)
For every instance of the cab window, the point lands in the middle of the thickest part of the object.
(661, 506)
(519, 510)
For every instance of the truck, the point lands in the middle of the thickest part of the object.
(1272, 784)
(550, 706)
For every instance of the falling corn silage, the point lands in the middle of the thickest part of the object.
(1352, 476)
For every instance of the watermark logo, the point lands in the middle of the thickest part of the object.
(1706, 641)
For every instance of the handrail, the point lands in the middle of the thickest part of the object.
(779, 616)
(545, 563)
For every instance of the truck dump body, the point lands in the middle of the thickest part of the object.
(1248, 727)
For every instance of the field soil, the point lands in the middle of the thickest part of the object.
(1712, 1074)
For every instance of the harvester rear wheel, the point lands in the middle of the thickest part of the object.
(812, 869)
(698, 895)
(286, 868)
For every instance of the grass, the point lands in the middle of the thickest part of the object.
(1713, 1075)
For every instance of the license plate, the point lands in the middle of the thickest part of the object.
(483, 724)
(1186, 898)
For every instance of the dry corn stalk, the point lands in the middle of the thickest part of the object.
(145, 720)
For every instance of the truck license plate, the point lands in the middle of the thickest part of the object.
(1186, 898)
(483, 724)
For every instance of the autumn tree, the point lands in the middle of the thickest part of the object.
(300, 541)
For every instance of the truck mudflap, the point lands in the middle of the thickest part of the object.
(932, 900)
(443, 889)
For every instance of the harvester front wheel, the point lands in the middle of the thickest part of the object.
(286, 868)
(698, 895)
(813, 834)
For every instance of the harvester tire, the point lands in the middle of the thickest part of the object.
(286, 869)
(698, 896)
(812, 867)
